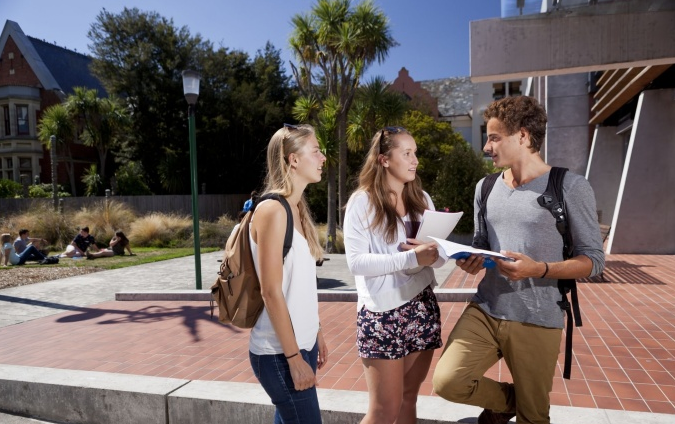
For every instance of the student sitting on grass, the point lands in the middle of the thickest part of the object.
(30, 253)
(80, 244)
(117, 245)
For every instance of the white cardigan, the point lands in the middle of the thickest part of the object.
(385, 277)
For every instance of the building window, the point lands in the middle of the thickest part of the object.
(22, 120)
(5, 114)
(8, 163)
(483, 139)
(498, 90)
(514, 88)
(25, 164)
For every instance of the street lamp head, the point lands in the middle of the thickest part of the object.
(191, 86)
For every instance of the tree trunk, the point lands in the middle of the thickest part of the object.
(102, 156)
(342, 180)
(70, 168)
(331, 230)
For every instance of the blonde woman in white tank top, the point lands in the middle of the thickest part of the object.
(286, 345)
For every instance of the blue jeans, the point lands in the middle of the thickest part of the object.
(30, 254)
(274, 375)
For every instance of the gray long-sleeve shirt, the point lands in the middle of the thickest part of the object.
(516, 222)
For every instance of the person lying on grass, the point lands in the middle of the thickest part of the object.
(117, 245)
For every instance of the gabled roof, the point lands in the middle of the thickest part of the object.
(54, 66)
(454, 95)
(69, 68)
(29, 53)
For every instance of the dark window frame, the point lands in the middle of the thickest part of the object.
(22, 123)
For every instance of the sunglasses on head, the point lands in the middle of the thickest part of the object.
(390, 130)
(291, 126)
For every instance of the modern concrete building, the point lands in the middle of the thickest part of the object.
(604, 70)
(34, 75)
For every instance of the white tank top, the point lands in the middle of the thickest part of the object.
(300, 292)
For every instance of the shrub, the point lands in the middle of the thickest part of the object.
(215, 234)
(339, 243)
(10, 189)
(42, 222)
(92, 180)
(130, 180)
(159, 230)
(45, 190)
(104, 218)
(455, 185)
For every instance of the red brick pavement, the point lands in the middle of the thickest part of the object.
(624, 355)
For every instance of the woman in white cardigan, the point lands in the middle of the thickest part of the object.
(398, 322)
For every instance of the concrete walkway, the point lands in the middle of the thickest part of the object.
(79, 393)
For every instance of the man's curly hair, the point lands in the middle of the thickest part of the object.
(520, 112)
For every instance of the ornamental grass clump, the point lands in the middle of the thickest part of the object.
(161, 230)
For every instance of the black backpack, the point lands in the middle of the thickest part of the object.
(50, 260)
(553, 200)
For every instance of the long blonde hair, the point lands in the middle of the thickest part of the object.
(373, 181)
(287, 140)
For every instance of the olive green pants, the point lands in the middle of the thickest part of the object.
(476, 343)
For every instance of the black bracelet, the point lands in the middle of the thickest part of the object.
(545, 272)
(293, 355)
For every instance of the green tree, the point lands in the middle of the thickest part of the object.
(140, 55)
(92, 181)
(101, 122)
(242, 101)
(57, 121)
(130, 180)
(435, 142)
(10, 189)
(334, 44)
(455, 184)
(375, 106)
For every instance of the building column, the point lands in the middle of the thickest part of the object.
(567, 133)
(644, 217)
(605, 166)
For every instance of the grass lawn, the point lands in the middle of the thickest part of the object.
(143, 255)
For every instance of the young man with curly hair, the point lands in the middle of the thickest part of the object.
(514, 314)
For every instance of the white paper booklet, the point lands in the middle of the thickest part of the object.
(461, 251)
(437, 224)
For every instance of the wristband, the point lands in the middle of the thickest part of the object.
(545, 272)
(293, 355)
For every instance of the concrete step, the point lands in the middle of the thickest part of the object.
(443, 295)
(60, 396)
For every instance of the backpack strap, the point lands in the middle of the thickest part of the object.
(480, 238)
(288, 238)
(246, 222)
(553, 199)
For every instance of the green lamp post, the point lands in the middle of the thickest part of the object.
(191, 91)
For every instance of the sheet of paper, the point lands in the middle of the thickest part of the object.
(438, 224)
(460, 251)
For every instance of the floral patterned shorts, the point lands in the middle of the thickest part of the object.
(412, 327)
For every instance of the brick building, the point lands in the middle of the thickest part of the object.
(34, 75)
(457, 100)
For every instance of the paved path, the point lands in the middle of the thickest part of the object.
(625, 353)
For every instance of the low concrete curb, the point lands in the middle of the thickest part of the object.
(443, 295)
(85, 396)
(80, 397)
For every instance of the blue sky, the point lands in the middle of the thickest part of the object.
(433, 34)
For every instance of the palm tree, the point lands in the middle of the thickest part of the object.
(308, 109)
(57, 121)
(114, 122)
(100, 121)
(375, 106)
(334, 44)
